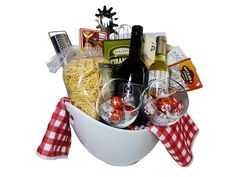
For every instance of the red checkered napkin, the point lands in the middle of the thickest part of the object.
(178, 138)
(57, 139)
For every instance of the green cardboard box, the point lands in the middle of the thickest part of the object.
(116, 51)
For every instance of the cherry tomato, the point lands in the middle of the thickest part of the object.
(116, 102)
(116, 116)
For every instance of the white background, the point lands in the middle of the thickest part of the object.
(28, 93)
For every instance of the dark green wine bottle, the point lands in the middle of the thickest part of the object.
(133, 68)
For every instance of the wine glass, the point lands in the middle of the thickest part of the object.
(164, 102)
(119, 102)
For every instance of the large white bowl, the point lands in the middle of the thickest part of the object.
(111, 145)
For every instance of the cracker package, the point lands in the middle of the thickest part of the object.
(182, 69)
(92, 39)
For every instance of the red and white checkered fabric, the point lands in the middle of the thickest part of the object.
(57, 139)
(178, 138)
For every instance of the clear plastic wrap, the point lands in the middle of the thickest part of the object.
(83, 79)
(62, 58)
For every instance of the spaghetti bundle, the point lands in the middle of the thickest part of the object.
(83, 82)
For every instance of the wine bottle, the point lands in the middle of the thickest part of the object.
(159, 69)
(134, 70)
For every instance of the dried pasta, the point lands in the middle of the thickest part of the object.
(84, 82)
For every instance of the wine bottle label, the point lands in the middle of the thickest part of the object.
(158, 81)
(157, 75)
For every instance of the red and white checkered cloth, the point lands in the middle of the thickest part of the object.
(178, 138)
(57, 139)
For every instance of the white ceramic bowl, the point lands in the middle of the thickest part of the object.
(111, 145)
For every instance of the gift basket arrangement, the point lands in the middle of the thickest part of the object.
(127, 90)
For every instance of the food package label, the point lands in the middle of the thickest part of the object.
(116, 51)
(185, 73)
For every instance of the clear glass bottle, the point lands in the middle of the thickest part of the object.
(159, 69)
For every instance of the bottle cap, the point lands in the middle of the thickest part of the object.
(60, 40)
(161, 38)
(137, 30)
(161, 45)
